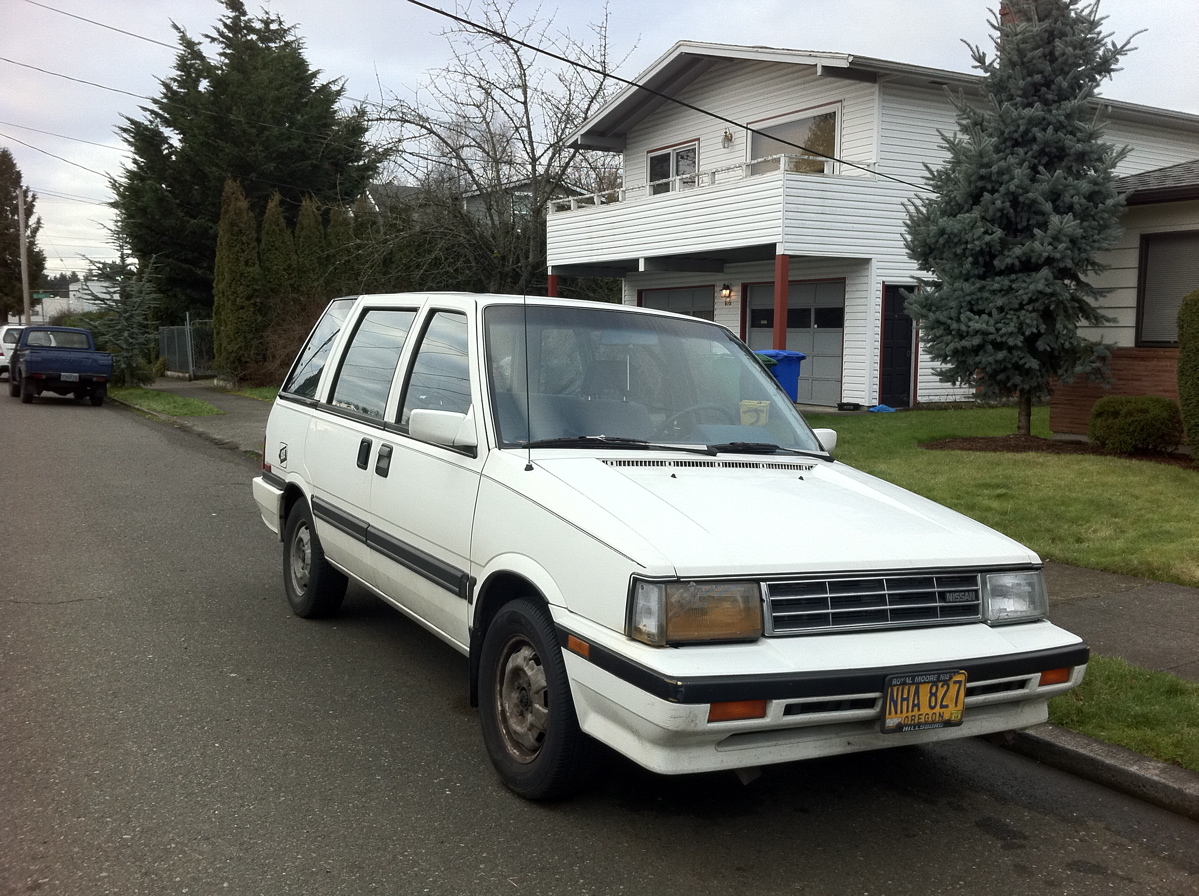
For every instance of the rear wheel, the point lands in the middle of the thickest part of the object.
(26, 391)
(314, 589)
(96, 397)
(14, 384)
(528, 716)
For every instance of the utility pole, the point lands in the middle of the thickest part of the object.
(24, 255)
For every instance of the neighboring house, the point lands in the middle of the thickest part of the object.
(1154, 265)
(79, 299)
(790, 249)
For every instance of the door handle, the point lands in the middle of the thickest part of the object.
(383, 462)
(364, 454)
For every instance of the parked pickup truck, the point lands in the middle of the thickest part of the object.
(622, 520)
(62, 360)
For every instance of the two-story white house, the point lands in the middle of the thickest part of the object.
(791, 249)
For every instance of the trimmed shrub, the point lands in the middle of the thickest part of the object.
(1124, 424)
(1188, 368)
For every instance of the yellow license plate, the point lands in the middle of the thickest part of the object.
(923, 700)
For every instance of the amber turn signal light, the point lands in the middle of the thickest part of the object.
(1055, 676)
(733, 710)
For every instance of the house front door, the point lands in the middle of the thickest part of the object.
(895, 372)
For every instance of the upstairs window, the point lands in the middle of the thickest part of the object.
(1169, 271)
(817, 133)
(676, 164)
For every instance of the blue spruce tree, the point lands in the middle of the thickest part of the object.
(1019, 211)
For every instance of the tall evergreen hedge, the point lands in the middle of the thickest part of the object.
(1188, 368)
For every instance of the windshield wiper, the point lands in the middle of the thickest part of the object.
(614, 442)
(759, 448)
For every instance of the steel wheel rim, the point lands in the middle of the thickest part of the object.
(301, 559)
(522, 700)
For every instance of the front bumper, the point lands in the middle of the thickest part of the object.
(659, 718)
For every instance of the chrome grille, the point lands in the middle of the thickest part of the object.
(808, 605)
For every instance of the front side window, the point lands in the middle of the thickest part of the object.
(804, 141)
(440, 378)
(1169, 271)
(669, 167)
(370, 362)
(305, 374)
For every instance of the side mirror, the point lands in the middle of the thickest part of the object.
(828, 439)
(449, 429)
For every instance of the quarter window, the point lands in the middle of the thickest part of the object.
(305, 374)
(673, 166)
(1169, 270)
(370, 362)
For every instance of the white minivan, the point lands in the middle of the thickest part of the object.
(623, 521)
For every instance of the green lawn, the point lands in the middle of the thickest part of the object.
(1153, 713)
(1109, 513)
(161, 402)
(262, 393)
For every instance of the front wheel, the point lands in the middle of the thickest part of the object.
(529, 723)
(314, 589)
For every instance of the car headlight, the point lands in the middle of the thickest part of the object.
(1015, 597)
(686, 612)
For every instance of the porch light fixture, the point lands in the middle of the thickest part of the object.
(727, 140)
(726, 293)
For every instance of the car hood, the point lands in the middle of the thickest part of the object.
(701, 516)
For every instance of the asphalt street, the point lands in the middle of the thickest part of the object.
(167, 726)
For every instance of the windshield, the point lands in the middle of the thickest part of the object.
(620, 374)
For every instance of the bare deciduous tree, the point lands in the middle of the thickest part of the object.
(484, 139)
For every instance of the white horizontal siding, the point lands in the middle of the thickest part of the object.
(748, 92)
(744, 213)
(1150, 147)
(910, 125)
(1123, 266)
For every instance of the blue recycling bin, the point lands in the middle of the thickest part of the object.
(786, 369)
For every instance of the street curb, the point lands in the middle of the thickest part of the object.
(1167, 786)
(182, 424)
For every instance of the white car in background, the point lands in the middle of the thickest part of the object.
(619, 516)
(9, 334)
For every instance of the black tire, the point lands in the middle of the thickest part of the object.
(14, 385)
(314, 589)
(525, 707)
(26, 391)
(96, 397)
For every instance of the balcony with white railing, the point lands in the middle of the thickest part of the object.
(802, 202)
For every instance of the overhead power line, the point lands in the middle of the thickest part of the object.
(24, 127)
(52, 155)
(507, 38)
(72, 15)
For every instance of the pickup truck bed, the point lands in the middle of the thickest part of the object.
(62, 360)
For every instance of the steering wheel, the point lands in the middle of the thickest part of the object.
(670, 424)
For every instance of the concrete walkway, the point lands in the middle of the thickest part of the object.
(1150, 624)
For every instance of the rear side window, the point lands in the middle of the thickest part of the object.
(370, 361)
(305, 374)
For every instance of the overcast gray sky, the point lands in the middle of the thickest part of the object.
(391, 45)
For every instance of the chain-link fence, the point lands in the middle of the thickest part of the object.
(189, 349)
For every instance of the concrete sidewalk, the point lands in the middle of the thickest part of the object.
(1150, 624)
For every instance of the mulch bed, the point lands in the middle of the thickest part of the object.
(1026, 444)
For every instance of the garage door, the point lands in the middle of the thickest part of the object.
(815, 326)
